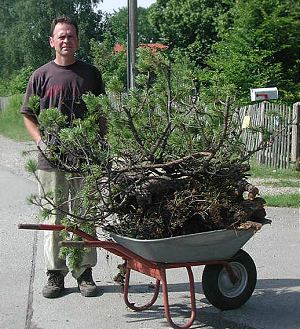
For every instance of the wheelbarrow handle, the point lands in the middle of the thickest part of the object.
(74, 244)
(56, 227)
(30, 226)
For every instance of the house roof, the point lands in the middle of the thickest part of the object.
(153, 46)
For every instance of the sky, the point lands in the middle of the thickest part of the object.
(110, 5)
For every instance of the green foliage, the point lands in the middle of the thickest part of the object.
(191, 26)
(18, 82)
(75, 142)
(45, 213)
(237, 44)
(117, 27)
(31, 166)
(51, 121)
(34, 104)
(4, 83)
(260, 50)
(112, 65)
(74, 255)
(150, 113)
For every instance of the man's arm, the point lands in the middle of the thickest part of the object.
(32, 128)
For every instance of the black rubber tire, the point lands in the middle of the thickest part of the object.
(218, 288)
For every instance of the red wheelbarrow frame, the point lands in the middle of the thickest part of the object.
(141, 265)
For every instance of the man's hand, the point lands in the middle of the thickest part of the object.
(41, 145)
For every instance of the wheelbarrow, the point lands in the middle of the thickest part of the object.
(228, 279)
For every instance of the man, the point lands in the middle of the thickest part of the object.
(60, 84)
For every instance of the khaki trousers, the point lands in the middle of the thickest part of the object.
(50, 181)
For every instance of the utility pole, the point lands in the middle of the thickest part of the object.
(131, 42)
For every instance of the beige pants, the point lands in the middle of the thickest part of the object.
(55, 180)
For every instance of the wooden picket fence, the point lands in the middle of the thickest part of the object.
(283, 121)
(4, 102)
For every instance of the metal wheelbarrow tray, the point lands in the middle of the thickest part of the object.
(228, 279)
(205, 246)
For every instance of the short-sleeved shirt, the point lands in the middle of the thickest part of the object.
(62, 87)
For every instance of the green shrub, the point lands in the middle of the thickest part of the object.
(15, 83)
(19, 81)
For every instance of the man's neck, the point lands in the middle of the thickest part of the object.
(64, 61)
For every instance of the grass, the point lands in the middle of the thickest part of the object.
(11, 121)
(265, 172)
(283, 200)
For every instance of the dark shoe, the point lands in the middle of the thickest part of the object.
(55, 284)
(86, 284)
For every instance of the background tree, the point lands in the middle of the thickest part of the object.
(191, 26)
(7, 21)
(113, 65)
(117, 26)
(260, 50)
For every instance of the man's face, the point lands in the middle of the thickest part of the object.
(64, 40)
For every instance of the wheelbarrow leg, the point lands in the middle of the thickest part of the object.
(126, 289)
(166, 299)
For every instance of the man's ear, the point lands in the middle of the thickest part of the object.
(51, 42)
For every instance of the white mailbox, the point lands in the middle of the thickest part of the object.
(263, 94)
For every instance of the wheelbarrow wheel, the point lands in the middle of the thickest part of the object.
(219, 288)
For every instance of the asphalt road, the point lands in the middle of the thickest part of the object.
(275, 303)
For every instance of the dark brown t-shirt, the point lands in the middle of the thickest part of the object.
(62, 87)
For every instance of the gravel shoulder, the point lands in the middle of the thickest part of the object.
(13, 158)
(271, 190)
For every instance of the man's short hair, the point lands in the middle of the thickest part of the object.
(63, 19)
